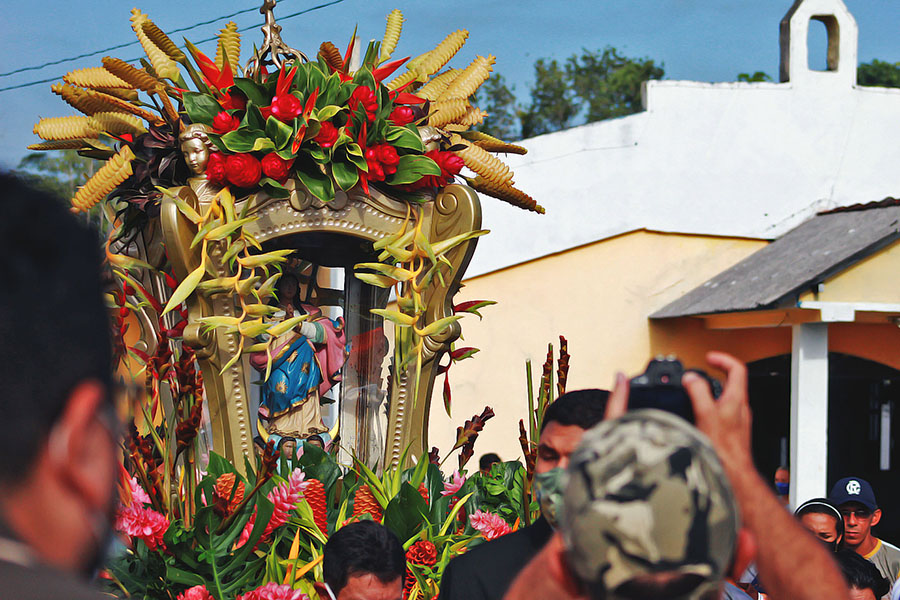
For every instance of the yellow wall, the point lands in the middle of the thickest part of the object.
(598, 296)
(873, 279)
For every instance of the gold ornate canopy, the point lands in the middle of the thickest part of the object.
(350, 218)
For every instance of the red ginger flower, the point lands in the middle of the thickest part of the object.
(365, 97)
(276, 167)
(402, 115)
(286, 107)
(198, 592)
(242, 170)
(422, 552)
(450, 165)
(327, 136)
(490, 525)
(224, 122)
(273, 591)
(365, 502)
(143, 523)
(382, 160)
(315, 495)
(285, 497)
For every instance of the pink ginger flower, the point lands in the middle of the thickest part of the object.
(285, 497)
(198, 592)
(454, 485)
(143, 523)
(490, 525)
(273, 591)
(138, 495)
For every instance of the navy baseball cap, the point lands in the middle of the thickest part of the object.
(853, 489)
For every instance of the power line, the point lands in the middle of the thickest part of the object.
(47, 64)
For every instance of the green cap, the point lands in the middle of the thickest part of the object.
(647, 495)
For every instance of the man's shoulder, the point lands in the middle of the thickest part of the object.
(26, 583)
(889, 550)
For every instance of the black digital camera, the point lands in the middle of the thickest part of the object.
(660, 387)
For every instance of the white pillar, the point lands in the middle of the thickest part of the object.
(809, 412)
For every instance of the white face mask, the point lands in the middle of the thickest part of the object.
(330, 592)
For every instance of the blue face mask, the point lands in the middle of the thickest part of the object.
(782, 488)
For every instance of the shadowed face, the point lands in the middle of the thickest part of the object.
(858, 522)
(556, 444)
(196, 155)
(369, 587)
(821, 525)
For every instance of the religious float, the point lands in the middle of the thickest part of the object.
(285, 239)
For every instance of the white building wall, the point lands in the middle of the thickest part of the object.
(737, 159)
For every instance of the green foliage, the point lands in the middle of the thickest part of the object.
(554, 104)
(755, 77)
(878, 73)
(500, 103)
(58, 172)
(609, 83)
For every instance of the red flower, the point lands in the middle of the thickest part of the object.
(273, 591)
(422, 552)
(243, 170)
(286, 107)
(276, 167)
(234, 98)
(285, 497)
(143, 523)
(224, 122)
(402, 115)
(450, 165)
(215, 169)
(327, 136)
(382, 160)
(198, 592)
(365, 97)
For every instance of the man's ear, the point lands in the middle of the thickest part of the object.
(876, 517)
(744, 552)
(82, 448)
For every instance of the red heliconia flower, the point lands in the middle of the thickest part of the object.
(423, 553)
(233, 98)
(215, 169)
(402, 115)
(327, 136)
(225, 122)
(198, 592)
(365, 97)
(286, 107)
(243, 170)
(143, 523)
(273, 591)
(276, 167)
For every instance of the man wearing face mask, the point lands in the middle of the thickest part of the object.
(58, 449)
(363, 561)
(486, 571)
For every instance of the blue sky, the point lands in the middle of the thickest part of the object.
(704, 40)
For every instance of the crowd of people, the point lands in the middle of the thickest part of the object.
(637, 504)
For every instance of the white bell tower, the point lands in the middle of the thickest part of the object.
(843, 36)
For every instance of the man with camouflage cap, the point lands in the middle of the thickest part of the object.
(648, 507)
(620, 541)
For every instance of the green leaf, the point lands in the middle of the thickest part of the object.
(253, 119)
(262, 144)
(255, 93)
(273, 188)
(327, 112)
(201, 108)
(405, 137)
(242, 139)
(412, 168)
(345, 174)
(280, 133)
(185, 288)
(319, 184)
(406, 512)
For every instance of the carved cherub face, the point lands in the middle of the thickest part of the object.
(196, 155)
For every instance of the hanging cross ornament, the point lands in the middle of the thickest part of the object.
(273, 50)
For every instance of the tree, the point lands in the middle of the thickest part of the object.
(58, 172)
(500, 104)
(609, 83)
(554, 104)
(878, 73)
(757, 76)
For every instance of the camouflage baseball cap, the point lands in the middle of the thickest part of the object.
(646, 496)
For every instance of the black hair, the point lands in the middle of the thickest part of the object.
(861, 574)
(584, 408)
(486, 460)
(360, 548)
(822, 506)
(54, 327)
